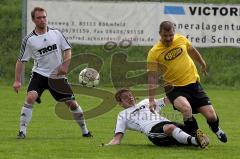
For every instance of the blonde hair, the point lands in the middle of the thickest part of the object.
(35, 9)
(119, 93)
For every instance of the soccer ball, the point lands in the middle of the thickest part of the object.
(89, 77)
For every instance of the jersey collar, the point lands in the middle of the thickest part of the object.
(35, 33)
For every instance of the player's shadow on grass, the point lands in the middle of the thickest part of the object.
(172, 147)
(51, 138)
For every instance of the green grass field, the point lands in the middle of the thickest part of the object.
(54, 138)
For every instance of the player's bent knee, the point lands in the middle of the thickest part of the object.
(31, 97)
(72, 104)
(168, 129)
(185, 109)
(211, 113)
(77, 110)
(182, 105)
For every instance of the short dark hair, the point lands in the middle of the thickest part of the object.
(35, 9)
(119, 93)
(166, 26)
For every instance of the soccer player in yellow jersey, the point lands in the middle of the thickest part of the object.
(172, 57)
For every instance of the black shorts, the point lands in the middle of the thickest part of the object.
(59, 88)
(194, 94)
(159, 138)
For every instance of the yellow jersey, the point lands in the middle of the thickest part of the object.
(174, 62)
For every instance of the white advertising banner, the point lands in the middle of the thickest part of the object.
(206, 25)
(96, 22)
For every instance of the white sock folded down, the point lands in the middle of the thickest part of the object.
(79, 118)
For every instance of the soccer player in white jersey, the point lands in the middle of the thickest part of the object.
(45, 46)
(158, 129)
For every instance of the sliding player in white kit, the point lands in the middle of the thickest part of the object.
(158, 129)
(45, 46)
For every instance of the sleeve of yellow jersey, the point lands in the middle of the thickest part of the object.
(152, 64)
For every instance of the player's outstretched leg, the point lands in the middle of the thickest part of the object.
(183, 138)
(79, 118)
(202, 139)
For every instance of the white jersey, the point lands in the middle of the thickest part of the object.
(45, 50)
(139, 117)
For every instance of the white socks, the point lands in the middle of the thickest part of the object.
(25, 118)
(78, 116)
(182, 137)
(26, 115)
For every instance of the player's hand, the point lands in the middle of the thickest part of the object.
(109, 144)
(204, 69)
(166, 100)
(16, 86)
(152, 105)
(62, 70)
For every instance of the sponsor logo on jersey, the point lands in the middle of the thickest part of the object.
(172, 54)
(47, 49)
(138, 109)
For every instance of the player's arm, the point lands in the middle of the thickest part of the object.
(63, 68)
(152, 67)
(116, 140)
(120, 129)
(197, 57)
(18, 71)
(152, 85)
(25, 55)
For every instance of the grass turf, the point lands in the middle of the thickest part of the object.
(52, 137)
